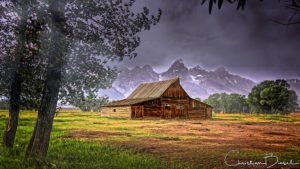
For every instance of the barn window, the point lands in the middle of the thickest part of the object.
(114, 110)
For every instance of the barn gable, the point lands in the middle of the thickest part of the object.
(175, 91)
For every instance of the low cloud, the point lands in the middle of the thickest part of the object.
(246, 42)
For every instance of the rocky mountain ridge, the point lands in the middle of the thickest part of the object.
(197, 81)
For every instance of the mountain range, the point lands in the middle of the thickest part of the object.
(197, 81)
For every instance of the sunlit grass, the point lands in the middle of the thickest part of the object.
(122, 143)
(67, 153)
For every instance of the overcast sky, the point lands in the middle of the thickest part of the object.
(246, 42)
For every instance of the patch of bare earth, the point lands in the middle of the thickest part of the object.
(94, 134)
(206, 143)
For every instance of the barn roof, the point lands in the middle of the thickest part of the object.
(203, 103)
(145, 92)
(151, 90)
(127, 102)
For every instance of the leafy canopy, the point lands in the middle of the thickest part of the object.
(228, 103)
(96, 32)
(272, 97)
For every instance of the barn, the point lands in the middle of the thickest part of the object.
(162, 99)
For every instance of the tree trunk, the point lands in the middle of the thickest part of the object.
(38, 145)
(39, 142)
(14, 109)
(16, 83)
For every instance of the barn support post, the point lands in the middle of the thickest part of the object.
(143, 113)
(130, 112)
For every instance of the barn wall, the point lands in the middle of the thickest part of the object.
(152, 108)
(172, 108)
(137, 111)
(174, 102)
(116, 112)
(175, 91)
(209, 112)
(199, 110)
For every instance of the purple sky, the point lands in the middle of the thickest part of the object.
(245, 42)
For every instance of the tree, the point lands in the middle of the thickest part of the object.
(272, 97)
(228, 103)
(214, 100)
(16, 81)
(198, 98)
(237, 103)
(3, 104)
(91, 103)
(110, 28)
(17, 71)
(211, 3)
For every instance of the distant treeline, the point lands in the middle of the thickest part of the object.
(3, 104)
(86, 104)
(228, 103)
(270, 97)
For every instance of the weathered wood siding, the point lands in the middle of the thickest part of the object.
(209, 112)
(199, 110)
(137, 111)
(152, 108)
(116, 112)
(174, 102)
(175, 91)
(172, 108)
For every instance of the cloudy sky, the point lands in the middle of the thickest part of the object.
(246, 42)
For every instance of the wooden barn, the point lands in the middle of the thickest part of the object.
(164, 99)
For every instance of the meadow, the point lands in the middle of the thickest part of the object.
(87, 140)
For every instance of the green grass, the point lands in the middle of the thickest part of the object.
(67, 153)
(73, 154)
(256, 117)
(106, 150)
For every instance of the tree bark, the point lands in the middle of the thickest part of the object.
(38, 145)
(39, 142)
(14, 109)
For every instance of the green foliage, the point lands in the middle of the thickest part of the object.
(99, 32)
(21, 45)
(198, 98)
(272, 97)
(90, 103)
(228, 103)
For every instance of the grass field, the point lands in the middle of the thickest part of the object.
(86, 140)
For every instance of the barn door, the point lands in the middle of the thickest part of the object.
(168, 111)
(138, 111)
